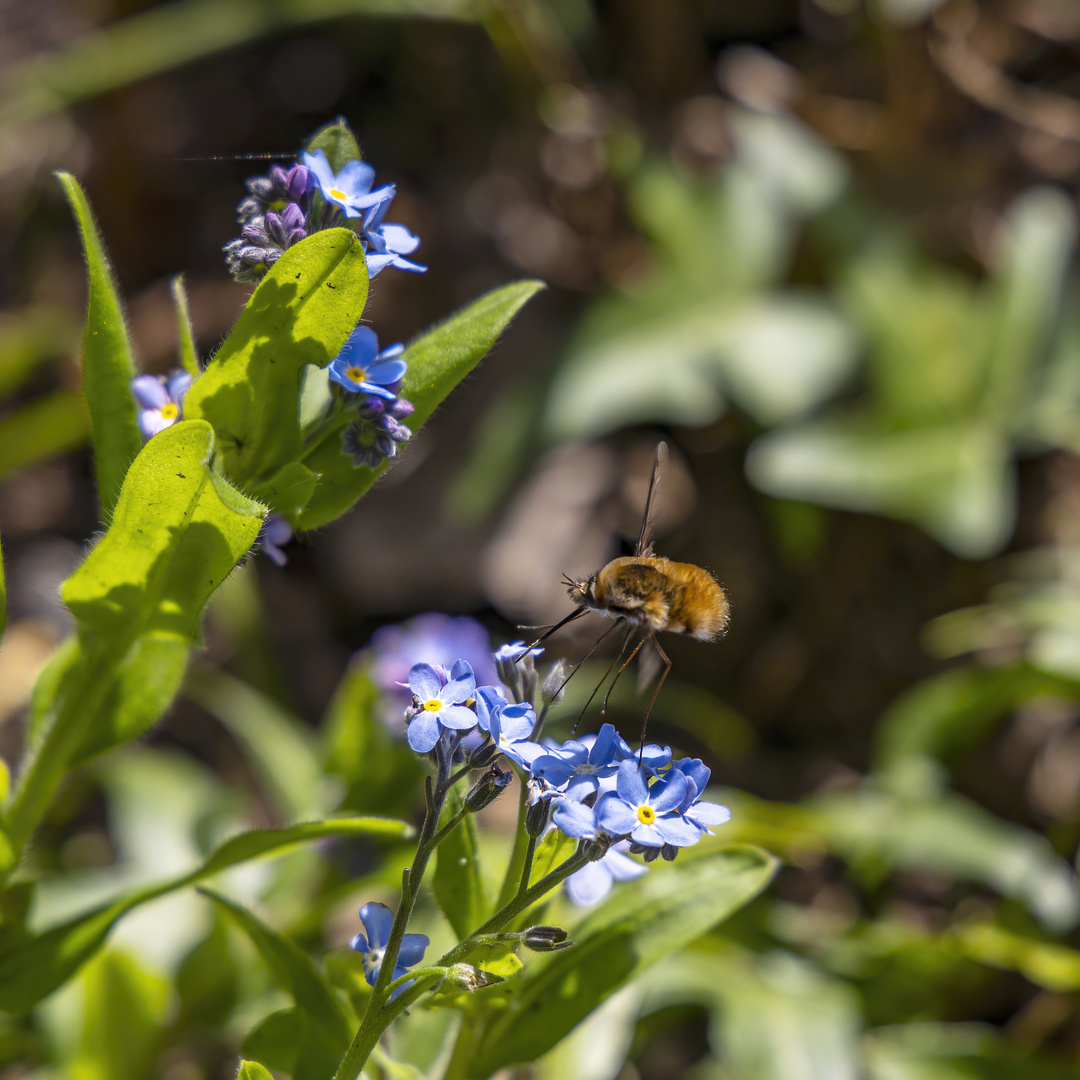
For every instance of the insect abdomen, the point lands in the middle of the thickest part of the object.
(697, 605)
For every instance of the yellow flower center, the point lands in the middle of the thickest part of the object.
(646, 815)
(433, 705)
(357, 374)
(169, 412)
(338, 194)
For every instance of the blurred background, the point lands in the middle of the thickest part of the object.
(823, 247)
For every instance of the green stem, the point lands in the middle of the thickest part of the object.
(526, 868)
(517, 855)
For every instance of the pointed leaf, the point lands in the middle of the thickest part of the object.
(189, 356)
(252, 1070)
(663, 913)
(437, 361)
(457, 883)
(33, 966)
(108, 367)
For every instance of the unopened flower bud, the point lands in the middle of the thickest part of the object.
(551, 690)
(488, 788)
(471, 978)
(484, 755)
(595, 850)
(545, 938)
(537, 816)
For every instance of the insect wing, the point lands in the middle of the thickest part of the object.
(644, 540)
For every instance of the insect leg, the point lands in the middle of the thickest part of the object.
(667, 668)
(575, 614)
(637, 649)
(622, 649)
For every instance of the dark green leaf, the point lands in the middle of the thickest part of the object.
(457, 882)
(108, 367)
(327, 1029)
(337, 142)
(664, 912)
(275, 1040)
(437, 361)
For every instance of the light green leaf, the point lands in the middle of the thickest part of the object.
(437, 361)
(1053, 967)
(176, 532)
(955, 710)
(287, 491)
(337, 142)
(275, 1040)
(301, 313)
(189, 357)
(664, 912)
(108, 367)
(326, 1029)
(41, 429)
(956, 481)
(126, 1008)
(32, 966)
(457, 881)
(879, 828)
(252, 1070)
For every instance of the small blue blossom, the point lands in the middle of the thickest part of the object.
(696, 810)
(388, 244)
(378, 920)
(160, 400)
(361, 367)
(649, 814)
(594, 880)
(275, 533)
(578, 766)
(349, 190)
(440, 707)
(514, 650)
(508, 724)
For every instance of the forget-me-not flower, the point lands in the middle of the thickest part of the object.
(377, 920)
(508, 723)
(160, 400)
(695, 809)
(275, 533)
(579, 765)
(650, 815)
(361, 367)
(441, 707)
(388, 244)
(350, 190)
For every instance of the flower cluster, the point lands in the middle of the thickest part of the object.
(369, 379)
(286, 205)
(597, 788)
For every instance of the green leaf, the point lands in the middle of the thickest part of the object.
(955, 710)
(252, 1070)
(280, 749)
(878, 828)
(189, 357)
(457, 882)
(337, 142)
(176, 532)
(664, 912)
(326, 1029)
(170, 543)
(301, 313)
(956, 481)
(45, 427)
(287, 491)
(126, 1008)
(275, 1040)
(108, 367)
(32, 966)
(437, 361)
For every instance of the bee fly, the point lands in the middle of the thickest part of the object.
(648, 594)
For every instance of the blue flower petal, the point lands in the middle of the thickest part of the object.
(589, 885)
(361, 348)
(666, 794)
(631, 784)
(377, 920)
(614, 816)
(678, 831)
(423, 732)
(709, 813)
(456, 717)
(385, 372)
(412, 949)
(149, 392)
(648, 835)
(622, 867)
(424, 682)
(574, 818)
